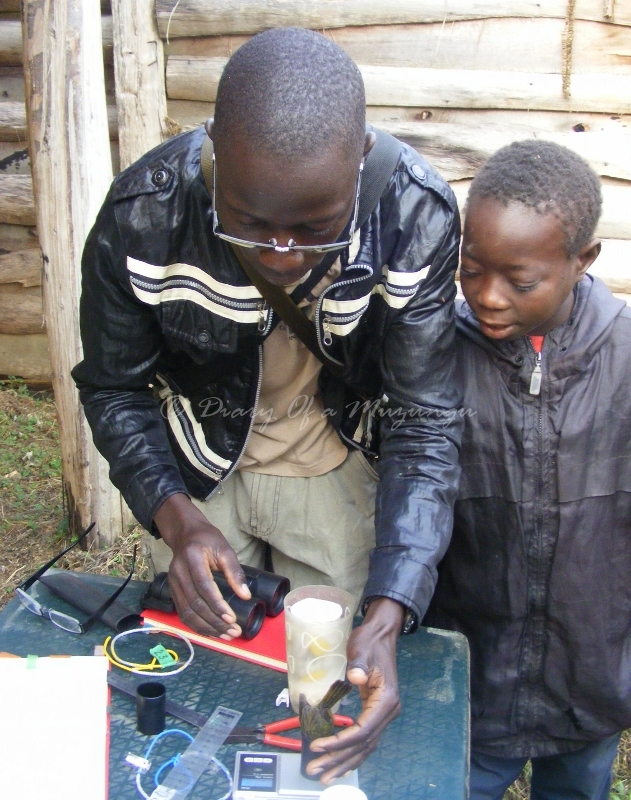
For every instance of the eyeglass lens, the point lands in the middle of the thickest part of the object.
(29, 602)
(56, 617)
(64, 621)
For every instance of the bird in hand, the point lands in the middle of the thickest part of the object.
(317, 721)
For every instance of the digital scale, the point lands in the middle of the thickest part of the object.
(265, 776)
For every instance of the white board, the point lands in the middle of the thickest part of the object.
(54, 728)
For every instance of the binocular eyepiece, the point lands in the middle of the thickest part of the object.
(268, 587)
(268, 594)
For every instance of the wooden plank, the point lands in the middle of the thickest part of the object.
(8, 6)
(190, 114)
(10, 42)
(72, 171)
(11, 84)
(541, 121)
(14, 158)
(615, 222)
(482, 89)
(23, 267)
(21, 310)
(16, 200)
(517, 45)
(613, 265)
(139, 72)
(190, 78)
(211, 17)
(17, 237)
(108, 39)
(12, 121)
(459, 150)
(25, 356)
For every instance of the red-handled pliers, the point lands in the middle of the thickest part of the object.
(267, 733)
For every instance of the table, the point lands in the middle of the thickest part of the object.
(423, 755)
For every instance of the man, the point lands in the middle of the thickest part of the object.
(250, 425)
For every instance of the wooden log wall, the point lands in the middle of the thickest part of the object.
(23, 340)
(70, 153)
(455, 79)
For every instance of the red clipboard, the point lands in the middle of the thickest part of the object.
(267, 648)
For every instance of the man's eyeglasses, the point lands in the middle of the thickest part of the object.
(291, 246)
(57, 617)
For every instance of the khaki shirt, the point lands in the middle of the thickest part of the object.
(291, 434)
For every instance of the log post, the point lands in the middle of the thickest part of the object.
(71, 166)
(139, 77)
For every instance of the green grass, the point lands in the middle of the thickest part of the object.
(33, 521)
(621, 789)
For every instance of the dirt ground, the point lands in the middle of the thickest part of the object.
(34, 527)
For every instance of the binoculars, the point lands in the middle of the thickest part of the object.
(268, 594)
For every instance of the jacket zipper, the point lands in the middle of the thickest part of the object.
(222, 300)
(192, 443)
(328, 339)
(326, 320)
(535, 378)
(220, 482)
(262, 324)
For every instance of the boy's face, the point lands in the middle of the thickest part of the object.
(515, 272)
(260, 196)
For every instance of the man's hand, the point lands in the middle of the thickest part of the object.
(372, 666)
(198, 547)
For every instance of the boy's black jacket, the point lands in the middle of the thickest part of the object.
(538, 573)
(165, 302)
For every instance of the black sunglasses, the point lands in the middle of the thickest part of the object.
(59, 619)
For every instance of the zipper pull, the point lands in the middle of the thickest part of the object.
(535, 378)
(262, 324)
(328, 339)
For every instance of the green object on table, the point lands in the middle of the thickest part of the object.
(422, 755)
(160, 653)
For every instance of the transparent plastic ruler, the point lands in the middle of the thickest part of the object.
(196, 758)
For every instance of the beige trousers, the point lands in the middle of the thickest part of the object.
(320, 529)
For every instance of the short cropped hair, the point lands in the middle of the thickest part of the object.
(292, 92)
(548, 178)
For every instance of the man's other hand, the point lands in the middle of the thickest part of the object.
(199, 547)
(372, 666)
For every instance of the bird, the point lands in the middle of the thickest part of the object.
(317, 721)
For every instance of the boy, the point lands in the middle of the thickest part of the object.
(167, 302)
(537, 573)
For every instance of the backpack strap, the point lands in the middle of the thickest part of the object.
(380, 164)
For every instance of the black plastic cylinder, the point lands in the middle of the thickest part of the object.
(151, 699)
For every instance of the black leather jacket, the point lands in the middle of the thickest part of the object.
(165, 304)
